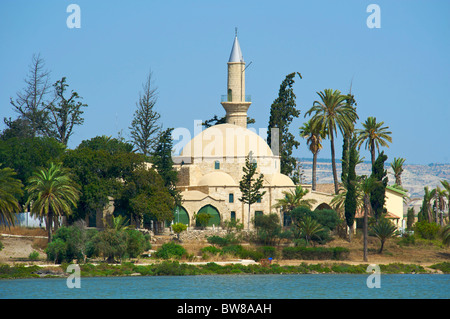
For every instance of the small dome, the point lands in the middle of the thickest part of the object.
(281, 180)
(217, 179)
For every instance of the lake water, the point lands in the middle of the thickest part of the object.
(317, 286)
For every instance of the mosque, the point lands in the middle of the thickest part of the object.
(210, 165)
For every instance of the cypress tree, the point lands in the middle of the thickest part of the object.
(282, 112)
(377, 195)
(350, 198)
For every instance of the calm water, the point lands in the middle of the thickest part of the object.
(330, 286)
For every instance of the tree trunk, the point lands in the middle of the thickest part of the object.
(381, 248)
(350, 233)
(248, 221)
(333, 163)
(49, 226)
(366, 213)
(314, 172)
(372, 151)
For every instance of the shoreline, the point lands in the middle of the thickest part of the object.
(176, 268)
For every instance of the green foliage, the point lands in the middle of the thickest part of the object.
(26, 155)
(218, 241)
(350, 204)
(444, 267)
(144, 127)
(202, 219)
(68, 243)
(268, 228)
(178, 228)
(170, 250)
(377, 195)
(136, 243)
(282, 111)
(1, 246)
(11, 189)
(426, 230)
(315, 253)
(163, 163)
(34, 255)
(383, 229)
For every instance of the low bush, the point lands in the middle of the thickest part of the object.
(170, 250)
(426, 230)
(315, 253)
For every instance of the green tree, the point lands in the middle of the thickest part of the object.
(378, 194)
(446, 235)
(439, 200)
(293, 199)
(282, 112)
(215, 120)
(314, 138)
(367, 186)
(63, 113)
(375, 135)
(333, 112)
(397, 167)
(383, 229)
(26, 155)
(99, 165)
(249, 185)
(52, 193)
(410, 216)
(309, 228)
(163, 163)
(145, 197)
(446, 186)
(350, 204)
(425, 212)
(268, 228)
(11, 189)
(178, 228)
(144, 127)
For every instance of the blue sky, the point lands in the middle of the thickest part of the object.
(400, 72)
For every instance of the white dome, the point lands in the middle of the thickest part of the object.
(217, 179)
(226, 140)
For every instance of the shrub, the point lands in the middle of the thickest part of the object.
(426, 230)
(1, 246)
(315, 253)
(170, 250)
(33, 255)
(110, 244)
(136, 243)
(217, 240)
(202, 219)
(56, 251)
(178, 228)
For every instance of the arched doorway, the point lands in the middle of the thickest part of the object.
(180, 215)
(213, 212)
(323, 206)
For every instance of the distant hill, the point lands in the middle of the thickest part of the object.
(414, 177)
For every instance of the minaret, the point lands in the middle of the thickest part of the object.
(234, 102)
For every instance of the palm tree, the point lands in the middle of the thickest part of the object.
(439, 195)
(10, 190)
(367, 185)
(446, 235)
(374, 134)
(446, 185)
(383, 230)
(397, 167)
(314, 138)
(309, 228)
(333, 112)
(52, 193)
(293, 199)
(426, 203)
